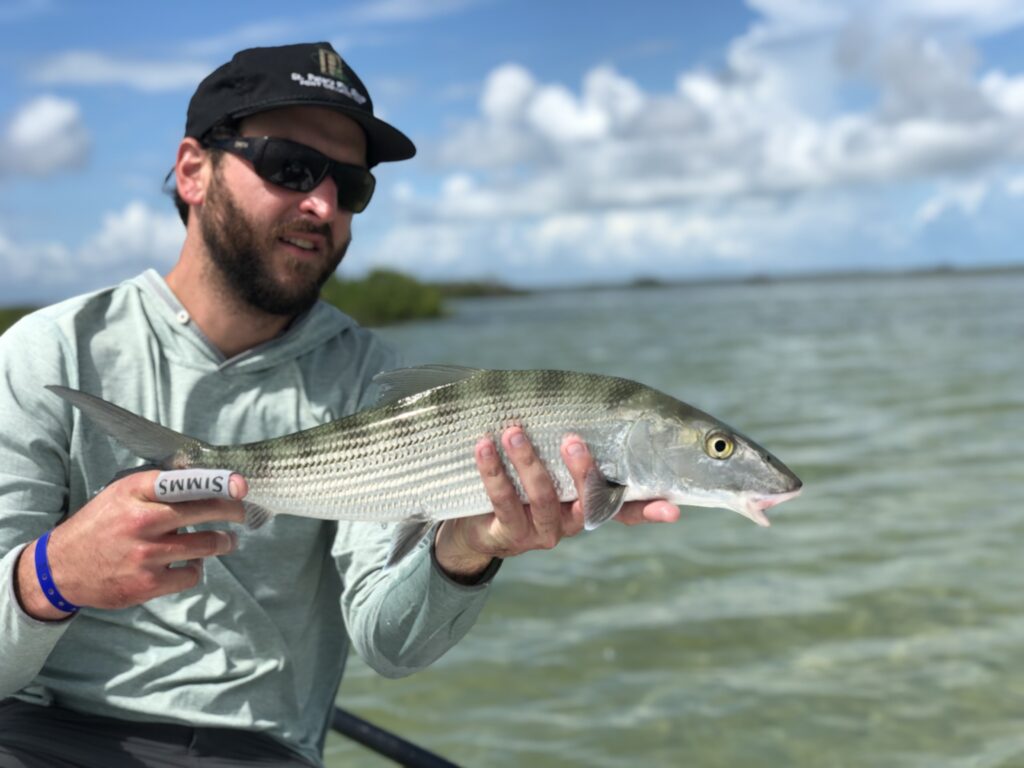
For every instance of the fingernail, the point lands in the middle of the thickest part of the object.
(576, 448)
(487, 450)
(232, 541)
(517, 439)
(235, 486)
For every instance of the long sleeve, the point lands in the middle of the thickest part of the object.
(261, 643)
(27, 641)
(33, 496)
(402, 620)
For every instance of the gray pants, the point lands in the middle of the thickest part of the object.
(49, 737)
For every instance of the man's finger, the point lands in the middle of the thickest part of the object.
(178, 579)
(196, 484)
(186, 513)
(661, 512)
(502, 493)
(578, 460)
(637, 512)
(159, 516)
(175, 548)
(545, 506)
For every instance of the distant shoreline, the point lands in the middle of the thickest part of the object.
(767, 278)
(385, 297)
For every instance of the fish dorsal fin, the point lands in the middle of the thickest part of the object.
(404, 382)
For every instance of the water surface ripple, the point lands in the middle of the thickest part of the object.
(879, 622)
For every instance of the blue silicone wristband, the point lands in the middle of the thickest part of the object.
(46, 579)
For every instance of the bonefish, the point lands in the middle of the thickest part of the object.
(409, 459)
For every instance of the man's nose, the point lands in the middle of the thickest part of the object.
(322, 201)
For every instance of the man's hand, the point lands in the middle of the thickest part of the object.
(115, 551)
(465, 546)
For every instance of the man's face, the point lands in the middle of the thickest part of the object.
(274, 248)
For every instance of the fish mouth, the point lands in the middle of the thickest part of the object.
(753, 507)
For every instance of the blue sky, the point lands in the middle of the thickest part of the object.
(559, 142)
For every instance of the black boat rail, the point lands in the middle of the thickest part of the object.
(385, 743)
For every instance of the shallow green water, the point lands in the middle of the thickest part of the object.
(879, 622)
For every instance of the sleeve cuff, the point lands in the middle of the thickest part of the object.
(482, 579)
(19, 610)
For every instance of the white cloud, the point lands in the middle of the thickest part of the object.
(403, 192)
(513, 99)
(95, 68)
(967, 17)
(628, 238)
(395, 11)
(1015, 186)
(137, 236)
(27, 264)
(612, 95)
(748, 160)
(558, 116)
(128, 241)
(820, 111)
(966, 198)
(766, 160)
(506, 93)
(45, 136)
(428, 248)
(606, 244)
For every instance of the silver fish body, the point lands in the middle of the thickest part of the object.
(410, 458)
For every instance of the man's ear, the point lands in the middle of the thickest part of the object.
(192, 172)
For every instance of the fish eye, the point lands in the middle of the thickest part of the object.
(719, 445)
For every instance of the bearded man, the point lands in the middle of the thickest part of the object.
(143, 631)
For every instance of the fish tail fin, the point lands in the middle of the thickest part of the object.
(141, 436)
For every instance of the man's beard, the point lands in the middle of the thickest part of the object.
(245, 265)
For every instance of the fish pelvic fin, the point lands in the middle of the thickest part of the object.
(256, 516)
(141, 436)
(602, 499)
(409, 533)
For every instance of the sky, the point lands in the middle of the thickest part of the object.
(559, 141)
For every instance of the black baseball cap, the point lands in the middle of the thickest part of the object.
(306, 74)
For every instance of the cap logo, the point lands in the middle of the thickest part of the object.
(332, 77)
(331, 64)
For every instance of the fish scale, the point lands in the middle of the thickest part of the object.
(410, 459)
(430, 446)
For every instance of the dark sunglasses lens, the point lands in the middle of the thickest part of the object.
(301, 168)
(292, 167)
(355, 187)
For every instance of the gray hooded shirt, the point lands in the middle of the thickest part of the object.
(261, 643)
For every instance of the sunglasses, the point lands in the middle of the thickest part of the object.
(300, 168)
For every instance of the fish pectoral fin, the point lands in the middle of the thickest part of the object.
(602, 499)
(404, 382)
(255, 515)
(409, 533)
